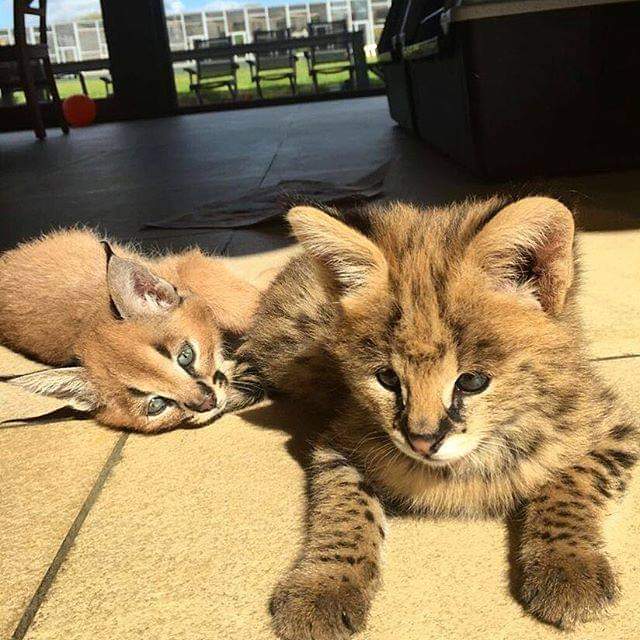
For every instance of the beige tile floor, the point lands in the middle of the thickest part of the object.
(181, 536)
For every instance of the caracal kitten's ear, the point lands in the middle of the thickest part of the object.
(355, 263)
(136, 291)
(67, 383)
(527, 248)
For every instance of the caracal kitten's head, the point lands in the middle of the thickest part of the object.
(154, 363)
(452, 322)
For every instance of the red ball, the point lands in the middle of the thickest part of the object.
(79, 110)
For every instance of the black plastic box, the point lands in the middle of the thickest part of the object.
(528, 87)
(394, 68)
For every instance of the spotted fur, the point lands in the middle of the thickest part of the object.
(478, 287)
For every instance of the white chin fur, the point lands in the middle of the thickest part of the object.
(454, 447)
(204, 418)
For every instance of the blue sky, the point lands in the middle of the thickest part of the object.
(59, 10)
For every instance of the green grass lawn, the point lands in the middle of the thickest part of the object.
(246, 88)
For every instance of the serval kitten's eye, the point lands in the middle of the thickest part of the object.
(186, 355)
(388, 378)
(156, 406)
(472, 382)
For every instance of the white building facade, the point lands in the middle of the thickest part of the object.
(85, 40)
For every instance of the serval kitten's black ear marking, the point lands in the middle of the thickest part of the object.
(356, 264)
(527, 248)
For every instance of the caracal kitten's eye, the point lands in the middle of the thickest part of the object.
(186, 355)
(472, 382)
(388, 378)
(156, 406)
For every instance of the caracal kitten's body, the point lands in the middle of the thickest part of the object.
(140, 340)
(444, 349)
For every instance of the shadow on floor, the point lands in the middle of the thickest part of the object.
(117, 176)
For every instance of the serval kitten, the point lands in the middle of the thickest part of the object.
(444, 349)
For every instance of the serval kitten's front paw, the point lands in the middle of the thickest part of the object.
(316, 603)
(564, 589)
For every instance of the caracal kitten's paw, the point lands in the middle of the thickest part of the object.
(564, 589)
(318, 603)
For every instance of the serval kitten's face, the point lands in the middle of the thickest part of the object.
(451, 334)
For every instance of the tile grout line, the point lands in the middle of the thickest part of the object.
(49, 577)
(63, 551)
(622, 357)
(277, 151)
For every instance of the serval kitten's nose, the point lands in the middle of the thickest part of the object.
(426, 444)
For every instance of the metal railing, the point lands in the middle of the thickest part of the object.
(353, 39)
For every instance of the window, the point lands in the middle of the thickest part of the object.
(65, 35)
(277, 18)
(359, 10)
(299, 20)
(257, 22)
(176, 34)
(89, 40)
(5, 37)
(236, 20)
(318, 12)
(380, 13)
(215, 27)
(193, 25)
(339, 11)
(68, 55)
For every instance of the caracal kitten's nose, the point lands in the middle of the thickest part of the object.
(208, 401)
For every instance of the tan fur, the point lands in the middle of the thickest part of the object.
(57, 300)
(483, 287)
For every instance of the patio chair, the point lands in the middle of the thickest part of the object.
(278, 64)
(332, 57)
(215, 72)
(27, 67)
(108, 84)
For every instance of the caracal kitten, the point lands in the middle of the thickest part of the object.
(137, 341)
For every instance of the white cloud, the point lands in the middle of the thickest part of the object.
(174, 6)
(62, 10)
(219, 5)
(66, 10)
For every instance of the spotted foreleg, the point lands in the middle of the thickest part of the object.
(328, 592)
(567, 577)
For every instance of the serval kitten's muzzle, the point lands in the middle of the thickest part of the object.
(426, 442)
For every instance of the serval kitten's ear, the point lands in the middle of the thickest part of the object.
(135, 291)
(67, 383)
(355, 263)
(527, 248)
